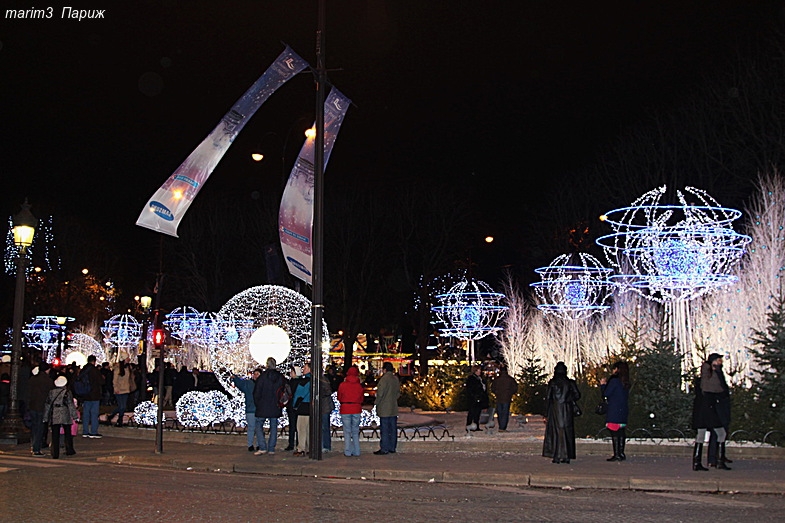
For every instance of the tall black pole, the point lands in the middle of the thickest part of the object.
(315, 451)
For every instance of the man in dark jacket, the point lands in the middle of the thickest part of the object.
(504, 387)
(92, 400)
(265, 396)
(40, 385)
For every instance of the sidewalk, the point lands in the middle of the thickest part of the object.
(489, 457)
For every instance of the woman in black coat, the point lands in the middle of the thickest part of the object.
(478, 398)
(560, 398)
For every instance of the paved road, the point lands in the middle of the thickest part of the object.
(45, 490)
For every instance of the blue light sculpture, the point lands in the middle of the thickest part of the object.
(470, 310)
(123, 331)
(574, 287)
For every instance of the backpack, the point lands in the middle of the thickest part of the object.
(82, 385)
(283, 394)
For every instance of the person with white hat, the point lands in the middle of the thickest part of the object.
(60, 412)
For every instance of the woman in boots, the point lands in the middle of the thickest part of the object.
(60, 412)
(616, 391)
(715, 414)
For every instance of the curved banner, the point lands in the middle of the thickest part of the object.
(295, 218)
(168, 205)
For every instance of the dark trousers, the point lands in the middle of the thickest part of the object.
(503, 411)
(37, 428)
(388, 440)
(69, 440)
(473, 416)
(292, 427)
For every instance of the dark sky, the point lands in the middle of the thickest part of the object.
(97, 113)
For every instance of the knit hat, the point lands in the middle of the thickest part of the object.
(61, 381)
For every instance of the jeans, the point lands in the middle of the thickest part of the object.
(37, 429)
(250, 424)
(327, 440)
(265, 445)
(90, 417)
(122, 404)
(389, 437)
(351, 434)
(503, 411)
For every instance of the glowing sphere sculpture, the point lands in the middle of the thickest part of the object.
(673, 252)
(574, 287)
(201, 409)
(146, 413)
(184, 323)
(124, 332)
(43, 333)
(470, 310)
(257, 309)
(80, 346)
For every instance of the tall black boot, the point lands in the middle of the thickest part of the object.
(622, 443)
(697, 456)
(722, 454)
(615, 441)
(719, 463)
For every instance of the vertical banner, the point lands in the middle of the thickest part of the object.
(295, 219)
(169, 204)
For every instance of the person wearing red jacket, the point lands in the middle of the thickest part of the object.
(350, 396)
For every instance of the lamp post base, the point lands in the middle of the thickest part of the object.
(13, 430)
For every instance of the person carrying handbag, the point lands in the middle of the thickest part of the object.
(60, 411)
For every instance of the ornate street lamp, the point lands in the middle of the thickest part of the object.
(13, 430)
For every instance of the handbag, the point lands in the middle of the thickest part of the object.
(576, 410)
(602, 407)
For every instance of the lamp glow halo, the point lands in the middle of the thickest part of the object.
(245, 315)
(574, 287)
(470, 310)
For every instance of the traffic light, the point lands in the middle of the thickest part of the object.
(159, 338)
(55, 362)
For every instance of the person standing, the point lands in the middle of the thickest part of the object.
(60, 411)
(716, 453)
(302, 403)
(91, 401)
(562, 392)
(705, 414)
(246, 386)
(295, 377)
(616, 390)
(122, 379)
(40, 386)
(350, 396)
(326, 407)
(388, 389)
(265, 396)
(478, 398)
(504, 387)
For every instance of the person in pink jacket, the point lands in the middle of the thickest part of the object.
(350, 396)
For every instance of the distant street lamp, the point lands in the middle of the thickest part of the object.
(12, 429)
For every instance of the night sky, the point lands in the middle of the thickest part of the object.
(97, 113)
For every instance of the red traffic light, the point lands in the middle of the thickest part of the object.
(55, 362)
(159, 338)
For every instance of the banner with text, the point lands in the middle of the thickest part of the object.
(169, 204)
(295, 219)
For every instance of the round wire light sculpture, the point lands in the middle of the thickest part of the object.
(80, 346)
(202, 409)
(183, 323)
(470, 310)
(673, 252)
(245, 314)
(124, 332)
(574, 287)
(43, 333)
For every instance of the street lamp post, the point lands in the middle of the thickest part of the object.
(12, 429)
(144, 303)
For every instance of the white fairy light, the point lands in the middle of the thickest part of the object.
(124, 332)
(574, 287)
(470, 310)
(80, 346)
(146, 413)
(202, 409)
